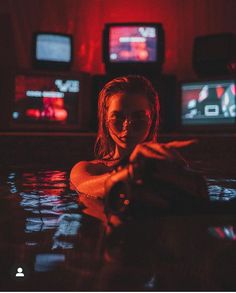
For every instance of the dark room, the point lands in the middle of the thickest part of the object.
(117, 145)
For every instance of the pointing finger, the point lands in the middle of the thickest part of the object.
(181, 144)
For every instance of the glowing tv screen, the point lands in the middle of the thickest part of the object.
(208, 102)
(133, 47)
(45, 99)
(52, 50)
(133, 44)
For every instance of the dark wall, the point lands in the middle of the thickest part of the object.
(216, 152)
(182, 21)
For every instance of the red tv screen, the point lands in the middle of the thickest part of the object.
(47, 99)
(132, 44)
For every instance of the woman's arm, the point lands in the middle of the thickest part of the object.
(89, 178)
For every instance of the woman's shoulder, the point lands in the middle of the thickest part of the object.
(94, 167)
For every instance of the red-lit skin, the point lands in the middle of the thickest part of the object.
(128, 138)
(89, 177)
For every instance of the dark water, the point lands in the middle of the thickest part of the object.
(63, 246)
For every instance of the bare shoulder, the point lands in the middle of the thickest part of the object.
(86, 175)
(92, 168)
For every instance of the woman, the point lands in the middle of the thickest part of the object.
(128, 112)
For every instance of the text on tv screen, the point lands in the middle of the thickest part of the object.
(45, 99)
(132, 44)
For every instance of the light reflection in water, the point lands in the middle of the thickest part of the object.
(40, 224)
(11, 182)
(68, 227)
(53, 220)
(223, 232)
(150, 284)
(48, 262)
(49, 206)
(221, 189)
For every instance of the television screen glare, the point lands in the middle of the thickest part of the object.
(45, 99)
(132, 44)
(53, 47)
(209, 102)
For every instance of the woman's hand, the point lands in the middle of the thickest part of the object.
(170, 166)
(161, 151)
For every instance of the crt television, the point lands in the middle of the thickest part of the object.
(208, 103)
(133, 46)
(52, 50)
(215, 54)
(44, 101)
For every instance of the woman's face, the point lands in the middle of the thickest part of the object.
(128, 119)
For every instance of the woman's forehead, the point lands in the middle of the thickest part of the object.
(129, 103)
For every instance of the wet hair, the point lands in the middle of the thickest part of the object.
(131, 84)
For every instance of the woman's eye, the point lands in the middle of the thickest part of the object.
(117, 116)
(140, 116)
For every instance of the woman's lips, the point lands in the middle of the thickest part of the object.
(126, 138)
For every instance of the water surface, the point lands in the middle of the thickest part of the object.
(63, 246)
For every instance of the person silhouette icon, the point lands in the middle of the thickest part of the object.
(20, 273)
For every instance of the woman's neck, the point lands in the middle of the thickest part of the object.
(121, 153)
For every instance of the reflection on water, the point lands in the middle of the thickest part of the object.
(228, 232)
(49, 204)
(46, 228)
(48, 262)
(221, 189)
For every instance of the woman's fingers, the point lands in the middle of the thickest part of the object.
(161, 151)
(157, 147)
(141, 150)
(181, 144)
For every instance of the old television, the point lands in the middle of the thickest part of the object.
(208, 104)
(52, 50)
(214, 55)
(133, 47)
(47, 102)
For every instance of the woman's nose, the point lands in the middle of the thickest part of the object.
(126, 123)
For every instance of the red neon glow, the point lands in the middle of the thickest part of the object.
(33, 113)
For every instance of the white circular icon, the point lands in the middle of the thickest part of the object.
(19, 273)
